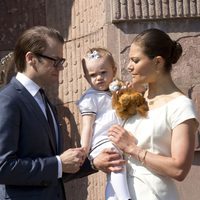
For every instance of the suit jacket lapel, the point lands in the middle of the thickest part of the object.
(30, 102)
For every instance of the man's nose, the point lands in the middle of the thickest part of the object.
(60, 67)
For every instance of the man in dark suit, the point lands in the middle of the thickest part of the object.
(32, 161)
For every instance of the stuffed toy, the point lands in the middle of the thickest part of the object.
(126, 101)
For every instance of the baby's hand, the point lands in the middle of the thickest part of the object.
(116, 85)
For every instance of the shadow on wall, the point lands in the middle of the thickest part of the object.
(77, 188)
(69, 126)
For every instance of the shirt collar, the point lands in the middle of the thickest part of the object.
(31, 86)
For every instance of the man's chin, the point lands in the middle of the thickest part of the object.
(51, 83)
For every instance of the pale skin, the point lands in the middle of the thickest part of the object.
(42, 72)
(87, 131)
(162, 88)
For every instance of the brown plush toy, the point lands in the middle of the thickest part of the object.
(126, 101)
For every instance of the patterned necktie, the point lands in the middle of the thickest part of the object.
(48, 113)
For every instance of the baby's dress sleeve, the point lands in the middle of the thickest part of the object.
(87, 104)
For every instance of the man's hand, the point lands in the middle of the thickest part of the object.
(109, 160)
(72, 159)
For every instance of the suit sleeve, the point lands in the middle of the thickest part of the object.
(85, 170)
(14, 168)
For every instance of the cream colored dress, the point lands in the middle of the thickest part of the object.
(154, 134)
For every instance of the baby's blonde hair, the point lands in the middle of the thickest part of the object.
(95, 53)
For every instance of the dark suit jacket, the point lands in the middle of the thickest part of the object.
(28, 166)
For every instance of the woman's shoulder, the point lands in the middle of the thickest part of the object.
(180, 100)
(181, 109)
(182, 105)
(169, 100)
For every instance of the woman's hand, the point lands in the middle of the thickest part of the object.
(109, 161)
(124, 140)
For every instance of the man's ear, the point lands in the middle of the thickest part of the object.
(30, 59)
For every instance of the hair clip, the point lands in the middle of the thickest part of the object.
(93, 55)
